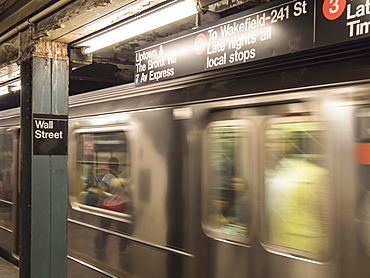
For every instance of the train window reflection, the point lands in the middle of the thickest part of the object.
(6, 162)
(229, 180)
(362, 119)
(296, 199)
(103, 165)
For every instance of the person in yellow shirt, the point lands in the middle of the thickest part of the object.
(297, 203)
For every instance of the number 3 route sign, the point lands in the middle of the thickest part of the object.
(274, 29)
(332, 9)
(341, 20)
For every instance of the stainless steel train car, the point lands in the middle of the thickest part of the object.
(260, 170)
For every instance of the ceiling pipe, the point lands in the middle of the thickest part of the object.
(28, 22)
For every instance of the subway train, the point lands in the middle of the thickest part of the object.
(258, 170)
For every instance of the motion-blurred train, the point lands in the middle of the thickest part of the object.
(259, 170)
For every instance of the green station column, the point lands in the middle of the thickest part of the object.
(43, 192)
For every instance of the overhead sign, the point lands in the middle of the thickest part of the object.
(341, 20)
(274, 29)
(218, 6)
(50, 134)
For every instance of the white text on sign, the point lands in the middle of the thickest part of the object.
(43, 130)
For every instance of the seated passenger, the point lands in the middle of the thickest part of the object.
(117, 193)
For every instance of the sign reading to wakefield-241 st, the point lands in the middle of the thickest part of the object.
(50, 134)
(274, 29)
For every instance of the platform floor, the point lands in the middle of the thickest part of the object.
(7, 269)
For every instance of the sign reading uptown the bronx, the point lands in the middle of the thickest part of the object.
(50, 134)
(273, 29)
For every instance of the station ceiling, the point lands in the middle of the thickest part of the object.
(68, 21)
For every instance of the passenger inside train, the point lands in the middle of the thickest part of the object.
(229, 179)
(117, 195)
(296, 187)
(103, 162)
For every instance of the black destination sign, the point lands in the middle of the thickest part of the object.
(50, 134)
(340, 20)
(273, 29)
(266, 31)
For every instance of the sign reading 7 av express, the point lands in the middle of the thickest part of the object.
(266, 31)
(274, 29)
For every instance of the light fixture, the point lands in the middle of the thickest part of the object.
(15, 86)
(139, 25)
(8, 74)
(4, 90)
(10, 87)
(10, 79)
(123, 13)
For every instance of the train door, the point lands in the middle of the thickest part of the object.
(266, 183)
(9, 161)
(296, 232)
(100, 196)
(362, 204)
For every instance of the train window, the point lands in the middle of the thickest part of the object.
(6, 186)
(228, 186)
(362, 119)
(296, 185)
(103, 163)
